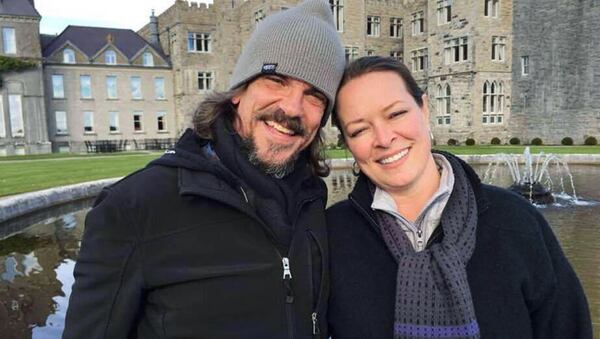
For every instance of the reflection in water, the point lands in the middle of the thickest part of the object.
(36, 265)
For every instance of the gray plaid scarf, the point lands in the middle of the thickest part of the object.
(433, 298)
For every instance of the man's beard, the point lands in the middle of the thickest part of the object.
(275, 170)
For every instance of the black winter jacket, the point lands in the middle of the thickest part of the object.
(174, 251)
(522, 285)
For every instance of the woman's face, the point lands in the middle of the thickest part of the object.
(386, 131)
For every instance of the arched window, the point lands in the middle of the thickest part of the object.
(493, 102)
(148, 59)
(443, 104)
(68, 56)
(110, 57)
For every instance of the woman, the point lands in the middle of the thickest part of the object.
(422, 249)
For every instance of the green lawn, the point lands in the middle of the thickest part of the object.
(32, 175)
(35, 172)
(488, 149)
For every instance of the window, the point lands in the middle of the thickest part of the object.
(498, 48)
(418, 23)
(161, 121)
(85, 86)
(419, 59)
(113, 122)
(444, 12)
(110, 57)
(148, 59)
(443, 105)
(396, 27)
(58, 88)
(205, 81)
(9, 41)
(68, 56)
(493, 102)
(136, 87)
(351, 53)
(138, 124)
(456, 50)
(259, 15)
(15, 112)
(491, 8)
(2, 123)
(61, 122)
(88, 122)
(373, 25)
(337, 7)
(525, 65)
(397, 55)
(370, 52)
(199, 42)
(111, 86)
(159, 88)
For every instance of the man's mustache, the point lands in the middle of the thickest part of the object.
(279, 116)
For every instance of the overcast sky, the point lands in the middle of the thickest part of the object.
(133, 14)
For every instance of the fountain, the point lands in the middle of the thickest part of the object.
(533, 182)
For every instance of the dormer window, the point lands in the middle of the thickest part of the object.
(68, 56)
(148, 59)
(110, 57)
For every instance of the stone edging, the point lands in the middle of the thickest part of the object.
(22, 204)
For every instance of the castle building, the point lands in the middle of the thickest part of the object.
(493, 70)
(459, 52)
(22, 110)
(107, 89)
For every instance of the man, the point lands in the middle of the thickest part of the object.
(224, 236)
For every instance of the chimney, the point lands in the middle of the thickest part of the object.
(154, 36)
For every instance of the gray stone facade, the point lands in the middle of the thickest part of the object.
(22, 111)
(559, 97)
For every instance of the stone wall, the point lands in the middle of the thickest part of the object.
(560, 97)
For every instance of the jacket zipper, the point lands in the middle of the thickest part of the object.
(314, 315)
(370, 219)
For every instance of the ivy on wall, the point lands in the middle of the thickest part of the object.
(12, 64)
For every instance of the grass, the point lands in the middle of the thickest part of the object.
(489, 149)
(26, 176)
(66, 155)
(43, 171)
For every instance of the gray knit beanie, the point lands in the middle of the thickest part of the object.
(301, 42)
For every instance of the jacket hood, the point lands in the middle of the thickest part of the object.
(190, 152)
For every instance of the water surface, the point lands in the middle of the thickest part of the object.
(36, 263)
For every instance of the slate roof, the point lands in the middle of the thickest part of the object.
(90, 40)
(46, 39)
(18, 7)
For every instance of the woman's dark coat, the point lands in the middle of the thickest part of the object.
(522, 285)
(174, 251)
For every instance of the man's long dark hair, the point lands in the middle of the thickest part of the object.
(218, 103)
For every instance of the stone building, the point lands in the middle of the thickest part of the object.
(107, 89)
(556, 70)
(459, 51)
(22, 111)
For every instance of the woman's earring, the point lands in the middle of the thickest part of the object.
(431, 136)
(355, 169)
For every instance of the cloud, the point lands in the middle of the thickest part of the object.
(132, 14)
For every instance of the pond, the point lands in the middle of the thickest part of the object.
(36, 263)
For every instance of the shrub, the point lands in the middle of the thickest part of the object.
(567, 141)
(495, 141)
(452, 142)
(514, 141)
(341, 143)
(536, 142)
(470, 142)
(591, 141)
